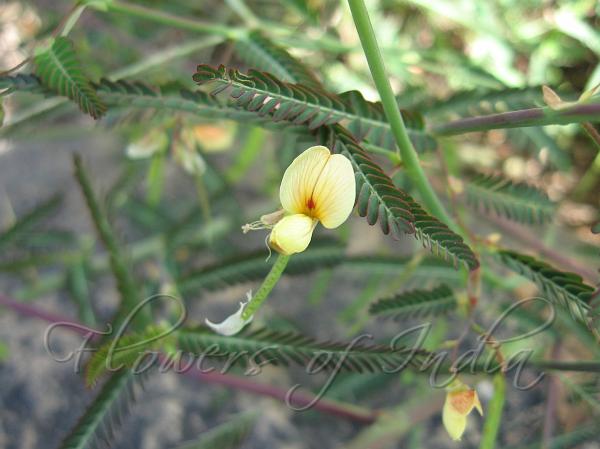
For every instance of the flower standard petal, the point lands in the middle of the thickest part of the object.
(300, 178)
(335, 192)
(292, 234)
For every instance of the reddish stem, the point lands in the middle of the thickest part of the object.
(522, 118)
(299, 398)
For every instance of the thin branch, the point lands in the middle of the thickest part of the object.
(580, 113)
(183, 23)
(299, 399)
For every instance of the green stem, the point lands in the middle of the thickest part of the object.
(266, 287)
(164, 56)
(72, 19)
(494, 414)
(171, 20)
(155, 179)
(392, 112)
(245, 13)
(393, 156)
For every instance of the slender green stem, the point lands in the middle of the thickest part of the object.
(393, 156)
(245, 13)
(155, 179)
(163, 56)
(266, 287)
(72, 19)
(175, 21)
(392, 112)
(494, 413)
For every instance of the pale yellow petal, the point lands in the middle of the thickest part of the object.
(334, 194)
(454, 421)
(292, 234)
(300, 178)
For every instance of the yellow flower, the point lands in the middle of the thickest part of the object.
(215, 137)
(460, 401)
(317, 187)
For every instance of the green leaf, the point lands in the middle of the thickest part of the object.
(268, 96)
(125, 95)
(77, 284)
(260, 53)
(416, 303)
(253, 267)
(397, 212)
(30, 220)
(134, 94)
(126, 352)
(228, 435)
(429, 267)
(373, 125)
(564, 289)
(105, 415)
(119, 266)
(22, 82)
(320, 255)
(516, 201)
(283, 348)
(61, 72)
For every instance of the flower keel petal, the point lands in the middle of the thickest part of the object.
(292, 234)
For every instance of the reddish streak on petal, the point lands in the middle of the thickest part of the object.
(311, 203)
